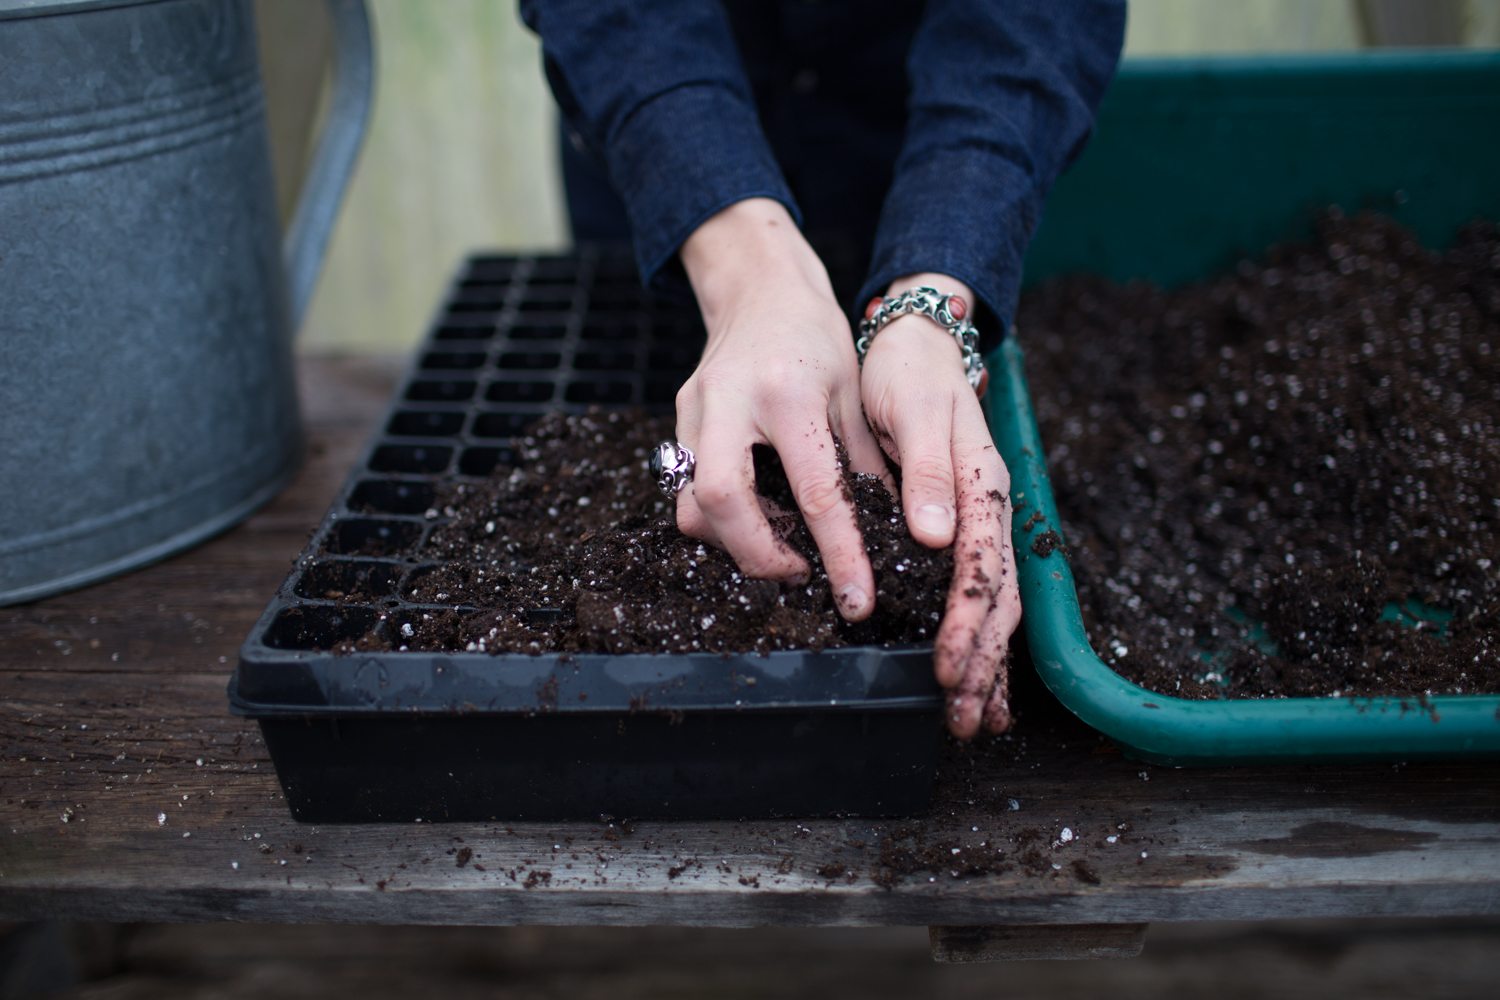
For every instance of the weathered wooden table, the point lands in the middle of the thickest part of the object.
(130, 794)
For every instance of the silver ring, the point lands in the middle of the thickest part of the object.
(672, 465)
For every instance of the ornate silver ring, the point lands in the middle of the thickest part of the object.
(672, 466)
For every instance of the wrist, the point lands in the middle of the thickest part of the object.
(746, 246)
(942, 282)
(928, 307)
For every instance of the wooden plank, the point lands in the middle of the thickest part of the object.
(120, 820)
(1303, 960)
(959, 945)
(129, 793)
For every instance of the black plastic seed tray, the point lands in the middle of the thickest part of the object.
(399, 736)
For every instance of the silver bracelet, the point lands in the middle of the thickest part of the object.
(939, 308)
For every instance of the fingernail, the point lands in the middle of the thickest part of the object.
(935, 519)
(853, 598)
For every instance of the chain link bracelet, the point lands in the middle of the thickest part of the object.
(948, 311)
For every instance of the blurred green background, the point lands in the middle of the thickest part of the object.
(461, 149)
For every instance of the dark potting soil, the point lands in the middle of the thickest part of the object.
(1255, 472)
(575, 550)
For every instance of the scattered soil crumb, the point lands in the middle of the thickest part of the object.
(1046, 543)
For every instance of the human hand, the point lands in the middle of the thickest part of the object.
(929, 421)
(779, 368)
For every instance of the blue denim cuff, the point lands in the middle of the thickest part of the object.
(967, 213)
(681, 157)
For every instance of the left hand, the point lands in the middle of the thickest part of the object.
(929, 421)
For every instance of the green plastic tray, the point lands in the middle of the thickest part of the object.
(1194, 165)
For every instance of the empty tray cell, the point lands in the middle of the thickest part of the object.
(547, 298)
(591, 391)
(392, 496)
(483, 282)
(555, 268)
(537, 331)
(441, 390)
(489, 270)
(678, 331)
(551, 279)
(674, 357)
(518, 391)
(616, 270)
(317, 627)
(425, 423)
(529, 360)
(369, 536)
(543, 312)
(605, 360)
(501, 424)
(348, 580)
(611, 331)
(612, 296)
(453, 360)
(465, 328)
(484, 460)
(662, 390)
(490, 298)
(413, 458)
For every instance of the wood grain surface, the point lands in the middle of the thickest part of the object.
(130, 794)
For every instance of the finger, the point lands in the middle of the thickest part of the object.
(983, 693)
(690, 518)
(723, 489)
(865, 454)
(1001, 623)
(805, 445)
(923, 433)
(967, 701)
(983, 571)
(991, 655)
(997, 709)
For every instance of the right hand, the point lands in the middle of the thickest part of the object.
(956, 491)
(780, 369)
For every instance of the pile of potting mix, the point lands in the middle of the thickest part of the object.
(574, 549)
(1284, 480)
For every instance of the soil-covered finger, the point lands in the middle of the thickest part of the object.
(997, 717)
(815, 470)
(967, 700)
(983, 562)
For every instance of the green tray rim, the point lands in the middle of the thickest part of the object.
(1163, 729)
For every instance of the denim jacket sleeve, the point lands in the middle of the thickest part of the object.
(1002, 97)
(656, 88)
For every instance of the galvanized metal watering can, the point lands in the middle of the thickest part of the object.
(147, 308)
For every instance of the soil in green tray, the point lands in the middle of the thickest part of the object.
(576, 550)
(1284, 480)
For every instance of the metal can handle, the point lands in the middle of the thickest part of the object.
(335, 154)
